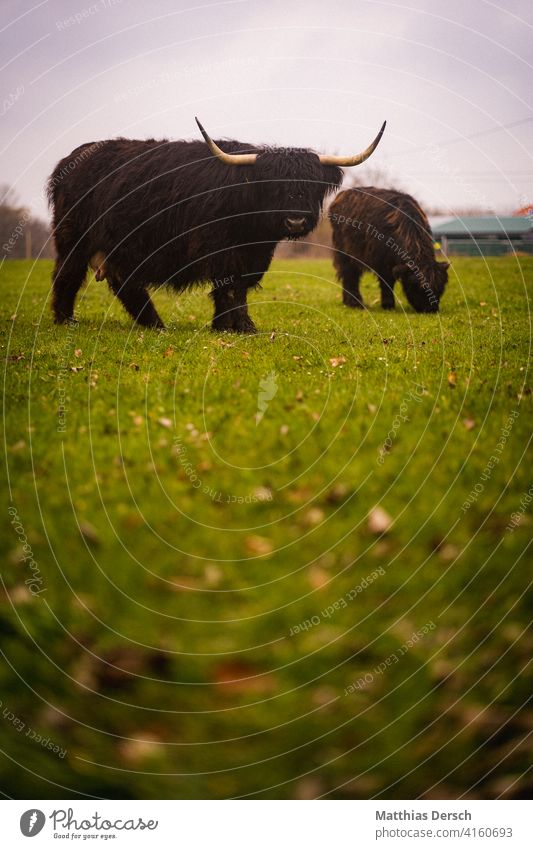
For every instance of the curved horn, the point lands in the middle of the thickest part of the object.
(228, 158)
(348, 161)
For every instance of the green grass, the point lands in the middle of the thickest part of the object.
(165, 574)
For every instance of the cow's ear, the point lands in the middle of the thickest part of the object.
(444, 265)
(398, 270)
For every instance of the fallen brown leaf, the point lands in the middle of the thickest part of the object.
(263, 493)
(258, 545)
(318, 577)
(338, 492)
(379, 521)
(135, 752)
(235, 677)
(89, 533)
(313, 517)
(310, 787)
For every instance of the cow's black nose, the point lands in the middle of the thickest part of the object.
(295, 225)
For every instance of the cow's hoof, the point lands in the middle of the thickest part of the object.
(60, 318)
(222, 324)
(150, 323)
(245, 326)
(354, 305)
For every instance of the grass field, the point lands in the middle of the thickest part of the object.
(200, 598)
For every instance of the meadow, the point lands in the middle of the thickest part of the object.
(291, 565)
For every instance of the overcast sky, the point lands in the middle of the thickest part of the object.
(314, 73)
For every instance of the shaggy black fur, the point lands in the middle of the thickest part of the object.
(165, 212)
(388, 233)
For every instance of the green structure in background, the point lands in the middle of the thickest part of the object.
(490, 236)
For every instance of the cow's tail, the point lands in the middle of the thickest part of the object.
(65, 168)
(51, 186)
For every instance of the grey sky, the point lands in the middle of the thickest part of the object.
(305, 73)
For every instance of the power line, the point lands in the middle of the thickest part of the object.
(472, 174)
(488, 132)
(477, 135)
(469, 178)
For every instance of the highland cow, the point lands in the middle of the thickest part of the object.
(386, 232)
(150, 213)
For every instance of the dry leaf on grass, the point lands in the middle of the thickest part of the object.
(136, 751)
(449, 552)
(258, 545)
(19, 594)
(213, 575)
(89, 533)
(310, 787)
(235, 677)
(379, 521)
(262, 493)
(338, 492)
(313, 517)
(318, 577)
(182, 583)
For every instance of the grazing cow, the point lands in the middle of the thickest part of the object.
(386, 232)
(149, 213)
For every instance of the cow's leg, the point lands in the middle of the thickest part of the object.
(242, 323)
(231, 309)
(68, 277)
(137, 301)
(223, 300)
(350, 274)
(386, 284)
(351, 294)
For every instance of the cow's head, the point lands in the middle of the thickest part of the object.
(288, 184)
(423, 284)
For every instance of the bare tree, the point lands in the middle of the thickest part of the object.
(21, 234)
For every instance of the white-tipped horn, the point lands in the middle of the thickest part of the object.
(348, 161)
(228, 158)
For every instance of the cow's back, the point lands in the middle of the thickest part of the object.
(155, 201)
(375, 226)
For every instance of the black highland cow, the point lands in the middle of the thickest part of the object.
(149, 213)
(386, 232)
